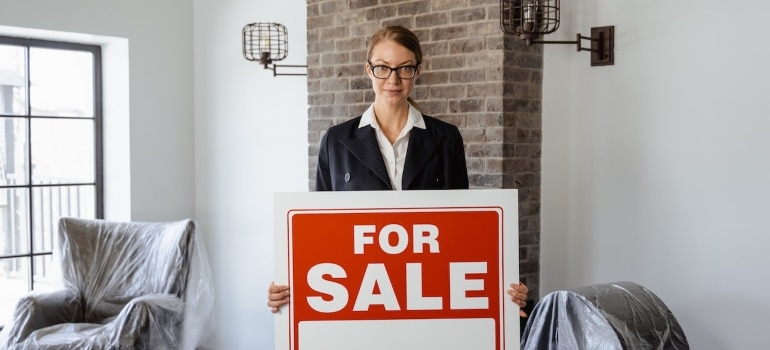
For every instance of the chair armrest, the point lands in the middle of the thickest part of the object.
(40, 310)
(149, 322)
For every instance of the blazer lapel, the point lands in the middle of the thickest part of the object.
(422, 146)
(365, 149)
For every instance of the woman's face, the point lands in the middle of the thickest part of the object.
(393, 90)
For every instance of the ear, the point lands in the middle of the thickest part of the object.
(368, 71)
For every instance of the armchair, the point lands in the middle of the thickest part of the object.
(126, 285)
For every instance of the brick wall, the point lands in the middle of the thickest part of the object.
(474, 76)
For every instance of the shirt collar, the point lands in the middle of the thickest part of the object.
(414, 119)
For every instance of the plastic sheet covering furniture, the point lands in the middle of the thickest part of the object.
(133, 285)
(621, 315)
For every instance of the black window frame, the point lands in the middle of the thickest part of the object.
(98, 182)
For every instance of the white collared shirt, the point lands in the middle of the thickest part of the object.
(395, 154)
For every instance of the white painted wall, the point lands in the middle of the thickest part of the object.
(195, 117)
(152, 105)
(251, 141)
(655, 170)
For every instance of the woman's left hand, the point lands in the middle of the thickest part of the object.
(518, 293)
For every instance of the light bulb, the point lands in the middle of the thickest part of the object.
(530, 12)
(264, 41)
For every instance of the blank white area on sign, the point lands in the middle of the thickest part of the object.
(470, 334)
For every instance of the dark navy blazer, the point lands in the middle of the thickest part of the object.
(349, 159)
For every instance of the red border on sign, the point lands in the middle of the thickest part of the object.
(467, 234)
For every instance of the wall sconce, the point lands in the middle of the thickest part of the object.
(531, 19)
(266, 43)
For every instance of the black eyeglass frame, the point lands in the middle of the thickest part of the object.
(396, 69)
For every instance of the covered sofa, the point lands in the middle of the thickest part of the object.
(620, 315)
(125, 285)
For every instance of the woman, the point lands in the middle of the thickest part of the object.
(392, 146)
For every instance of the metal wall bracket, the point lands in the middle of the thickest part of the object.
(295, 69)
(603, 46)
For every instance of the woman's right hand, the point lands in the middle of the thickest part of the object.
(277, 296)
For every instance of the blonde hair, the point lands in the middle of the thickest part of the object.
(415, 104)
(400, 35)
(403, 37)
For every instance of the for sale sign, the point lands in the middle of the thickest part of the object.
(404, 270)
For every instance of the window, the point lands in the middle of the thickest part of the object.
(50, 155)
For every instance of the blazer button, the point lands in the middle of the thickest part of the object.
(437, 180)
(347, 177)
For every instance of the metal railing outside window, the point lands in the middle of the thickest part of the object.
(50, 155)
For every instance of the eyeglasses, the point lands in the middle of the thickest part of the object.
(383, 72)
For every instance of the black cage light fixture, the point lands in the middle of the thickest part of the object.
(266, 43)
(532, 19)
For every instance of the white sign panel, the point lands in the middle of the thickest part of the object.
(397, 269)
